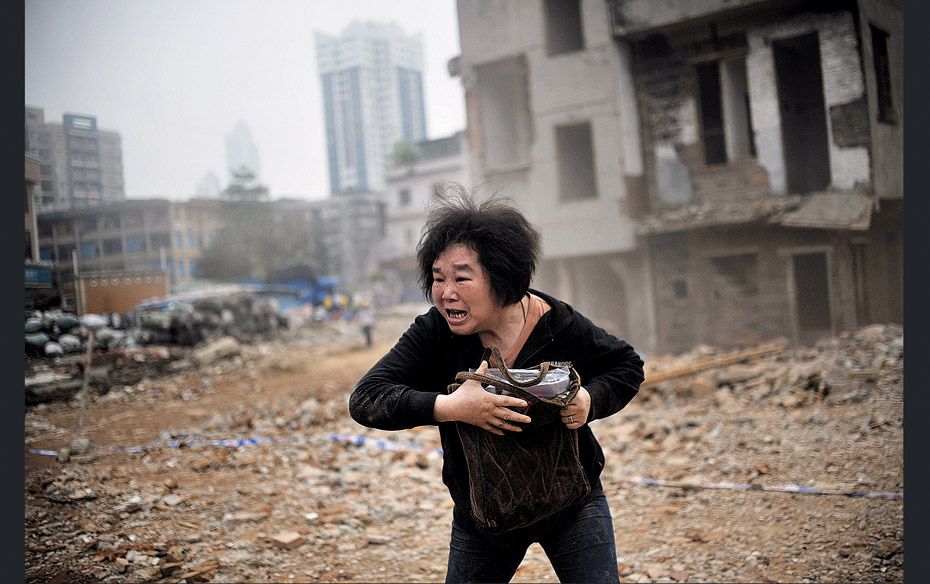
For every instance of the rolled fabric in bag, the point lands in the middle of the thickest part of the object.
(523, 477)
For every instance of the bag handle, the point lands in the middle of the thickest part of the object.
(502, 367)
(516, 386)
(463, 376)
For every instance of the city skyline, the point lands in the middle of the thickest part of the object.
(173, 81)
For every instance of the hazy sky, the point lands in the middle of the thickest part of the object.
(174, 77)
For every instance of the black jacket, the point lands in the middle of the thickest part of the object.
(400, 390)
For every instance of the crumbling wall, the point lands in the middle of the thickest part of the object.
(737, 180)
(676, 321)
(843, 87)
(692, 308)
(673, 154)
(667, 90)
(885, 264)
(664, 89)
(887, 137)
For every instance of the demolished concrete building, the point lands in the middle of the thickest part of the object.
(716, 172)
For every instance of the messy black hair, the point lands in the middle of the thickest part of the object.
(506, 243)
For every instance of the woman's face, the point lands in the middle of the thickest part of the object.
(462, 291)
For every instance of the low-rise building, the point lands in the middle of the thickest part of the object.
(411, 186)
(135, 235)
(701, 172)
(768, 199)
(351, 228)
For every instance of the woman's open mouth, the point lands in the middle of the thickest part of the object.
(455, 315)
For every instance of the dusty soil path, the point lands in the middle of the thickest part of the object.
(206, 511)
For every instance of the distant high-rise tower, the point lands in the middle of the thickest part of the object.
(81, 165)
(372, 83)
(241, 151)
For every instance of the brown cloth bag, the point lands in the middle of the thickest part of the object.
(523, 477)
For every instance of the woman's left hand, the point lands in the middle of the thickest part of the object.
(575, 414)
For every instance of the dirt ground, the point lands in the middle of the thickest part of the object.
(162, 498)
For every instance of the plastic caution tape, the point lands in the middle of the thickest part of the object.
(787, 488)
(383, 444)
(187, 440)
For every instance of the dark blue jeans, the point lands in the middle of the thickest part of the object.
(579, 542)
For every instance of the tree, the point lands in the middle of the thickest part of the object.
(257, 239)
(403, 153)
(244, 186)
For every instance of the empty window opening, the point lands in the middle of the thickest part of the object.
(708, 77)
(726, 124)
(882, 75)
(680, 289)
(563, 26)
(736, 275)
(505, 112)
(112, 246)
(577, 179)
(803, 113)
(812, 292)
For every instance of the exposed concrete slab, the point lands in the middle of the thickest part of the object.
(831, 211)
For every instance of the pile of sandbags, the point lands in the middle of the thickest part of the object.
(55, 333)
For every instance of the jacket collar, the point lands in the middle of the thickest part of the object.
(552, 323)
(560, 315)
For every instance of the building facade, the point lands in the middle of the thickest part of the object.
(410, 189)
(33, 175)
(81, 164)
(543, 97)
(719, 172)
(770, 191)
(351, 229)
(39, 283)
(371, 77)
(135, 235)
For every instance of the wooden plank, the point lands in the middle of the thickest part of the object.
(772, 348)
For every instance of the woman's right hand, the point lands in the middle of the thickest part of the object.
(470, 403)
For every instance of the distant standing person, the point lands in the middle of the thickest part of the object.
(366, 318)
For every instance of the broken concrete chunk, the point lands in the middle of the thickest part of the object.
(244, 517)
(172, 500)
(219, 349)
(287, 540)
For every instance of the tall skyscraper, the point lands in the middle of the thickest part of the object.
(371, 77)
(241, 151)
(81, 165)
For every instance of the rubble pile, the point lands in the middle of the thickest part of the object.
(238, 314)
(842, 368)
(248, 468)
